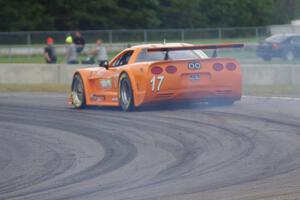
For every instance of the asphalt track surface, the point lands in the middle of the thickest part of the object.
(250, 150)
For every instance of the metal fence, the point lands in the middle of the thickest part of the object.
(137, 36)
(14, 46)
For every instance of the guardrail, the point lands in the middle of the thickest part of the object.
(253, 74)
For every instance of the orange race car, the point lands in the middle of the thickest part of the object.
(153, 73)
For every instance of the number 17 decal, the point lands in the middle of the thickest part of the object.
(153, 82)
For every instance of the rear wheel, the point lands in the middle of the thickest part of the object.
(125, 93)
(78, 95)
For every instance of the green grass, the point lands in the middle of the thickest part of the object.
(245, 55)
(193, 41)
(39, 58)
(22, 59)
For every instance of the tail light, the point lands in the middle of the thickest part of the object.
(218, 67)
(231, 66)
(275, 46)
(171, 69)
(156, 70)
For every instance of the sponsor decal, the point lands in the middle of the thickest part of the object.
(114, 99)
(97, 98)
(98, 73)
(116, 79)
(106, 84)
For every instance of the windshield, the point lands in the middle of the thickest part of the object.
(276, 38)
(145, 56)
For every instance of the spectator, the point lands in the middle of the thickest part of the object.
(71, 54)
(99, 53)
(49, 52)
(79, 42)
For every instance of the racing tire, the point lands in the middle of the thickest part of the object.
(78, 93)
(289, 56)
(126, 100)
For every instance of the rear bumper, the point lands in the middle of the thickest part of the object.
(191, 95)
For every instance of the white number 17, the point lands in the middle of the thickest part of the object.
(153, 80)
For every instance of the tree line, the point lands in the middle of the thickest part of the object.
(32, 15)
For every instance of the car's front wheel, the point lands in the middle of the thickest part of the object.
(126, 100)
(78, 95)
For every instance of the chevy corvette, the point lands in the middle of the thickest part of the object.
(155, 73)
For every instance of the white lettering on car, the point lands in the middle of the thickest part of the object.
(106, 84)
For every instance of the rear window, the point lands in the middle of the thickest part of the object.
(276, 38)
(145, 56)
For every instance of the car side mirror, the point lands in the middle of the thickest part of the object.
(104, 64)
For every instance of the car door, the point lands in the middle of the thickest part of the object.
(296, 45)
(109, 78)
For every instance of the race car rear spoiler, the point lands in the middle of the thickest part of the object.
(195, 47)
(199, 46)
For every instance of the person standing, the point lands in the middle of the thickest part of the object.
(99, 53)
(71, 53)
(79, 42)
(49, 52)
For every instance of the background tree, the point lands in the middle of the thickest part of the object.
(26, 15)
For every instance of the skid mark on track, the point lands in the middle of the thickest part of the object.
(197, 152)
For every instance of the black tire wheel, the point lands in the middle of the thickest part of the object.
(125, 93)
(78, 94)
